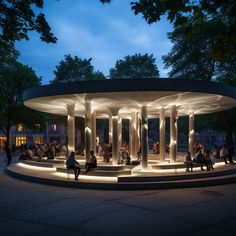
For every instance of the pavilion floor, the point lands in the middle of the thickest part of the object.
(125, 177)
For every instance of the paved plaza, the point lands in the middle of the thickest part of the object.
(35, 209)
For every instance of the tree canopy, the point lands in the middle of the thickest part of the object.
(73, 69)
(135, 66)
(178, 12)
(14, 79)
(191, 56)
(18, 17)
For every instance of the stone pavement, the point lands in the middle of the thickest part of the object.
(40, 210)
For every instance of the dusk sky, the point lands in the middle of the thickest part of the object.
(89, 29)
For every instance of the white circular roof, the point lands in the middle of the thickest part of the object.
(196, 96)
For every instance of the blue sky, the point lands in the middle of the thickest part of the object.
(89, 29)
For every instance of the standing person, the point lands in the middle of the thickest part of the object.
(71, 163)
(8, 153)
(224, 153)
(230, 154)
(92, 162)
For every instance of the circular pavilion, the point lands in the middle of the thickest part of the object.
(133, 99)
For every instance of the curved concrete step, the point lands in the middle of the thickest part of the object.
(39, 177)
(96, 172)
(37, 163)
(152, 177)
(187, 183)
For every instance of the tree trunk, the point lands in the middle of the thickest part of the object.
(7, 133)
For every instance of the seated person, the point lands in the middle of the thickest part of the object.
(188, 161)
(29, 154)
(40, 152)
(92, 162)
(200, 159)
(71, 163)
(208, 161)
(127, 160)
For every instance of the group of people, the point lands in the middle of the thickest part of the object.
(72, 163)
(208, 157)
(156, 148)
(202, 157)
(50, 151)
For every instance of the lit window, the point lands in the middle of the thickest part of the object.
(54, 127)
(37, 127)
(2, 142)
(38, 140)
(20, 141)
(20, 127)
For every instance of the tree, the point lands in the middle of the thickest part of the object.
(97, 75)
(14, 79)
(18, 17)
(191, 58)
(178, 12)
(8, 53)
(73, 69)
(135, 66)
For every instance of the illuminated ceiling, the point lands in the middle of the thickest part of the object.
(200, 97)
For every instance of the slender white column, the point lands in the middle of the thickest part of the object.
(162, 130)
(110, 128)
(71, 127)
(88, 135)
(191, 133)
(134, 133)
(177, 131)
(144, 136)
(93, 130)
(173, 134)
(119, 131)
(137, 133)
(130, 136)
(115, 136)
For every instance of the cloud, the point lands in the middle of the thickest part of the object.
(105, 33)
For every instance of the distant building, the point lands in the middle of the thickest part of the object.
(52, 131)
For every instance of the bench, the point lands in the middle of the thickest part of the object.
(37, 163)
(96, 171)
(180, 165)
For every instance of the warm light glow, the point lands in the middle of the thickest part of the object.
(39, 168)
(69, 118)
(88, 178)
(145, 126)
(20, 127)
(172, 142)
(191, 115)
(87, 129)
(20, 141)
(38, 140)
(114, 117)
(161, 124)
(71, 148)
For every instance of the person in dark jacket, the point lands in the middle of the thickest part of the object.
(71, 163)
